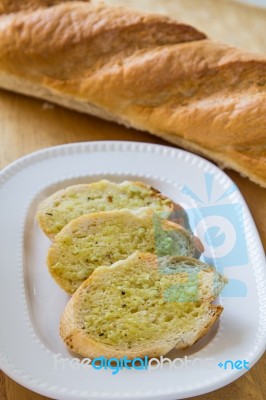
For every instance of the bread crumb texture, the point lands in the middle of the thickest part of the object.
(144, 301)
(103, 238)
(67, 204)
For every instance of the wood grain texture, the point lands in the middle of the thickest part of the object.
(27, 125)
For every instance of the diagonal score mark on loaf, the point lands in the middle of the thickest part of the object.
(86, 36)
(144, 71)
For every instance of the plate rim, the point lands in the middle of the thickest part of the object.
(75, 148)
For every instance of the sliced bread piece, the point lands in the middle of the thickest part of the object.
(67, 204)
(126, 309)
(105, 237)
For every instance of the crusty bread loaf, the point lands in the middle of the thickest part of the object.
(142, 306)
(218, 18)
(105, 237)
(57, 210)
(141, 70)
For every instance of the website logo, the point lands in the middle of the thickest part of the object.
(220, 226)
(231, 365)
(116, 365)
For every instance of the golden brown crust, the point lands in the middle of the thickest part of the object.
(215, 313)
(10, 6)
(217, 18)
(72, 39)
(90, 224)
(77, 341)
(80, 342)
(144, 71)
(47, 213)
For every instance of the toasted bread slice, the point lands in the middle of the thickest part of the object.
(57, 210)
(142, 306)
(105, 237)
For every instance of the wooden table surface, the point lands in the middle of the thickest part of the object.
(27, 125)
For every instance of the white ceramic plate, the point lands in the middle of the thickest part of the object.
(31, 303)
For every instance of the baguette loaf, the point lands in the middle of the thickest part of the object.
(233, 22)
(105, 237)
(59, 209)
(142, 306)
(144, 71)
